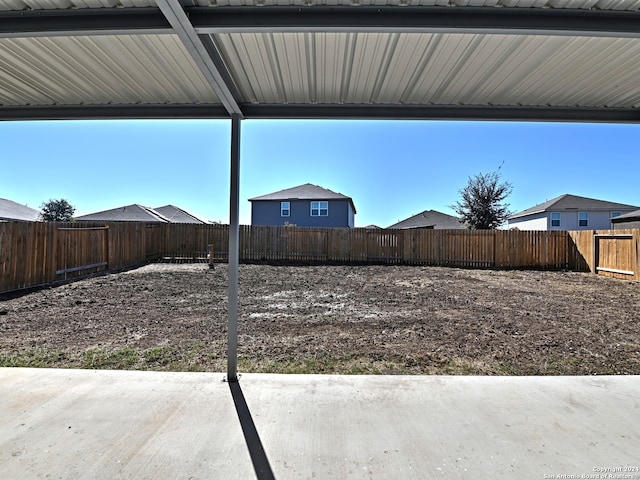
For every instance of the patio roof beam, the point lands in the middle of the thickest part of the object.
(112, 112)
(444, 112)
(173, 11)
(424, 19)
(207, 20)
(326, 111)
(102, 21)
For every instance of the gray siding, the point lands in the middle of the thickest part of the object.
(267, 212)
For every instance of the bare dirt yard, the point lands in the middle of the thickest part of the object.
(331, 319)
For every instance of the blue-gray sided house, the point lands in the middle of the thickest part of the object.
(303, 206)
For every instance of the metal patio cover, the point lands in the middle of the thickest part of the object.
(548, 60)
(558, 60)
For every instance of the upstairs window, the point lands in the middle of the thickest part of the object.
(615, 214)
(555, 219)
(319, 209)
(285, 209)
(583, 219)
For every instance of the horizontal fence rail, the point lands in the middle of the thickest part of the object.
(39, 253)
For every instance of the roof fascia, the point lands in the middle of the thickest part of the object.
(325, 111)
(527, 214)
(423, 19)
(174, 13)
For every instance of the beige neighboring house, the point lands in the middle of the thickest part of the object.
(11, 211)
(570, 212)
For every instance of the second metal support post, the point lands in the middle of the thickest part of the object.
(234, 250)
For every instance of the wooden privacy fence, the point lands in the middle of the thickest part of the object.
(464, 248)
(37, 253)
(80, 249)
(613, 253)
(40, 253)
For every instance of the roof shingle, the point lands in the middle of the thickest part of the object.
(572, 202)
(177, 215)
(307, 191)
(430, 219)
(129, 213)
(10, 210)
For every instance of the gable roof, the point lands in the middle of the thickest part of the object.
(129, 213)
(627, 217)
(307, 191)
(430, 219)
(10, 210)
(572, 202)
(177, 215)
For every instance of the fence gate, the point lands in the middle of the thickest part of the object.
(81, 250)
(615, 255)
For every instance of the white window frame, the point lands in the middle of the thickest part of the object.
(285, 209)
(319, 209)
(580, 219)
(555, 219)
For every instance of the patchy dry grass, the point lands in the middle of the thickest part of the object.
(331, 319)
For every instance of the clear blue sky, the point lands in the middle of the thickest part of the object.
(391, 169)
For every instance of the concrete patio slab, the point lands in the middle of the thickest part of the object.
(80, 424)
(120, 424)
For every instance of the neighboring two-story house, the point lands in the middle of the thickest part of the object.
(304, 206)
(569, 212)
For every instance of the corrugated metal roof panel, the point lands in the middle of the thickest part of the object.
(71, 4)
(48, 4)
(136, 3)
(96, 3)
(440, 69)
(362, 67)
(99, 70)
(632, 5)
(12, 5)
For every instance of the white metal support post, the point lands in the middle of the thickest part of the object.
(234, 251)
